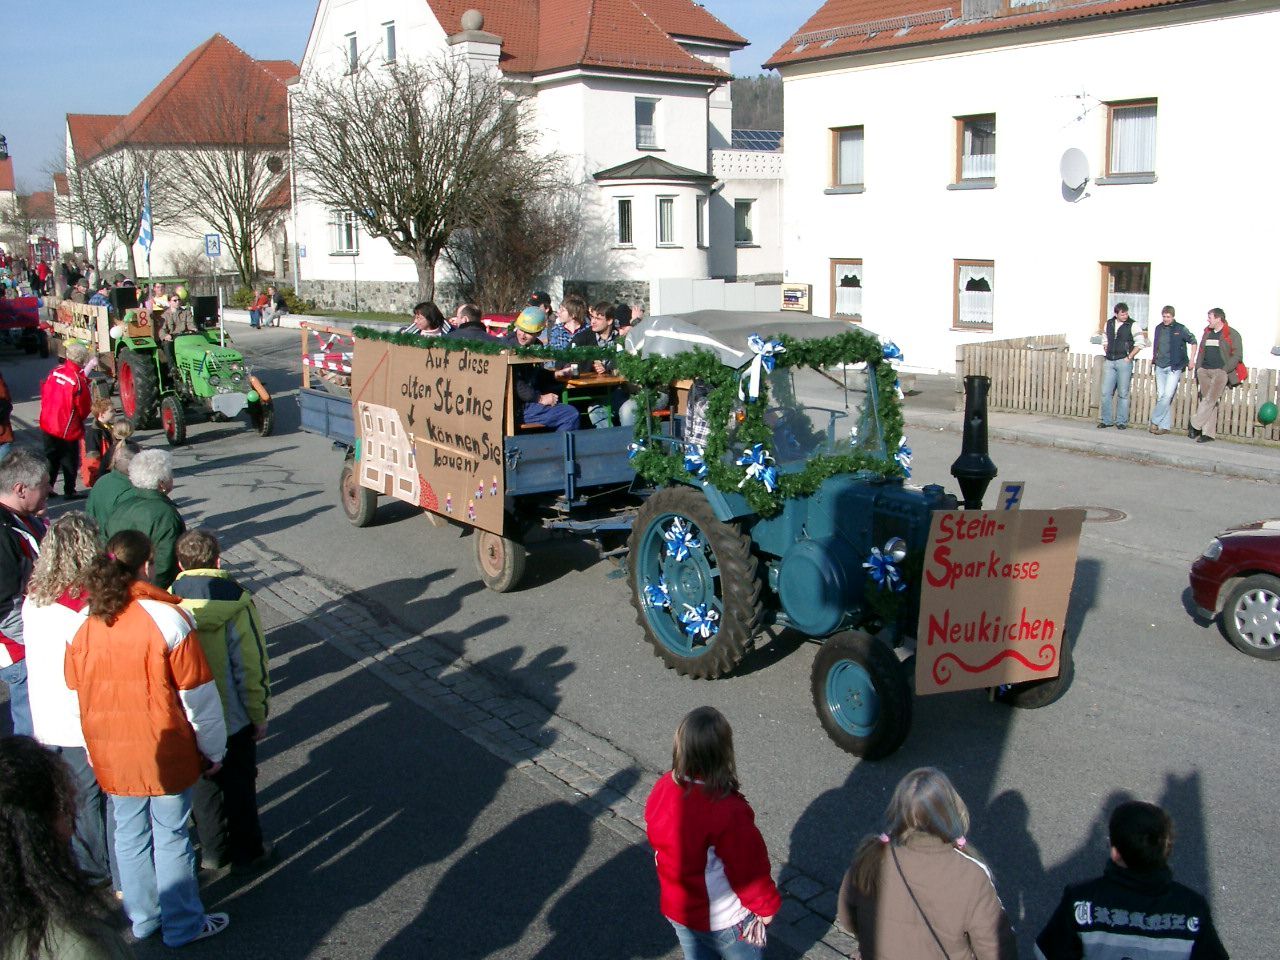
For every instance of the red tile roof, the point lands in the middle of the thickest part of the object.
(218, 94)
(280, 198)
(89, 132)
(541, 36)
(843, 27)
(40, 205)
(60, 185)
(6, 174)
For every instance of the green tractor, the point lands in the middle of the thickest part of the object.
(162, 386)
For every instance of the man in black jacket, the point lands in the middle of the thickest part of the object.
(24, 491)
(1169, 358)
(536, 391)
(1117, 368)
(1135, 909)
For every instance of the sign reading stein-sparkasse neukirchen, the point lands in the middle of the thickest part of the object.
(993, 597)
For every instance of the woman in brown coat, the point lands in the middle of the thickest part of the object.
(918, 891)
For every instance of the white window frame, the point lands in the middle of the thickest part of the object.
(647, 134)
(970, 165)
(670, 239)
(856, 177)
(700, 219)
(389, 42)
(740, 222)
(1125, 156)
(629, 221)
(344, 234)
(353, 53)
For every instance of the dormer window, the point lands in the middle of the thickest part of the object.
(646, 123)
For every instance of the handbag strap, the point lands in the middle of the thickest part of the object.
(912, 894)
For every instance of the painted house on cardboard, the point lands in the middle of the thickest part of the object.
(999, 168)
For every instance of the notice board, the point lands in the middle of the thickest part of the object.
(430, 425)
(993, 597)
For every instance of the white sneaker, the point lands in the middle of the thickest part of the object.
(214, 924)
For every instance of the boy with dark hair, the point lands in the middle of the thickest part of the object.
(225, 806)
(1135, 909)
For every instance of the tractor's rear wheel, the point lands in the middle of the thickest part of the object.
(173, 421)
(139, 388)
(695, 584)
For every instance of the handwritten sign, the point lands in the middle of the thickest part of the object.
(430, 424)
(993, 597)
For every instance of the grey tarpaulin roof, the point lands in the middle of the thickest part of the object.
(723, 332)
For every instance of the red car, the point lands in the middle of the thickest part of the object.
(1237, 579)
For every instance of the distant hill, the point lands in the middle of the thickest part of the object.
(757, 102)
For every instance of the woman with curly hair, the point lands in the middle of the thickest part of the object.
(49, 909)
(919, 889)
(56, 606)
(152, 721)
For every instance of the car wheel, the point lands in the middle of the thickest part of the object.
(1251, 617)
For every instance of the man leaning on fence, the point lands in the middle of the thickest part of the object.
(1117, 369)
(1169, 358)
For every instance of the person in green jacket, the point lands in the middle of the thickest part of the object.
(112, 485)
(148, 509)
(225, 805)
(49, 908)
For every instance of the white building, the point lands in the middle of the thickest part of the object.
(923, 173)
(635, 94)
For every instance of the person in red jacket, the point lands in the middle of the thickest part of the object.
(714, 876)
(65, 401)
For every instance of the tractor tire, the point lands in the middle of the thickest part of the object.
(358, 503)
(173, 420)
(1035, 694)
(501, 561)
(717, 575)
(862, 696)
(263, 417)
(139, 385)
(42, 345)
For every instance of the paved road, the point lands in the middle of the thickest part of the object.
(1162, 707)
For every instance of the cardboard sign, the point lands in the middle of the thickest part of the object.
(993, 597)
(80, 321)
(430, 423)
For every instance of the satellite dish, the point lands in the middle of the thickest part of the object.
(275, 164)
(1074, 167)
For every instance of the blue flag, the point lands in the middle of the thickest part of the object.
(145, 233)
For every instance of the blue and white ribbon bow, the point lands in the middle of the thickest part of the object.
(891, 350)
(766, 353)
(633, 449)
(657, 594)
(884, 572)
(700, 621)
(903, 456)
(681, 540)
(694, 463)
(757, 461)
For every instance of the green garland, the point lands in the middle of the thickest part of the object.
(662, 464)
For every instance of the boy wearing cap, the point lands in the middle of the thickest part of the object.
(535, 387)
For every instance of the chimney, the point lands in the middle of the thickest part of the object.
(479, 50)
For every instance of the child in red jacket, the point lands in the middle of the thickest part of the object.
(714, 876)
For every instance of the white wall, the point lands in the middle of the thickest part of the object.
(1203, 226)
(747, 175)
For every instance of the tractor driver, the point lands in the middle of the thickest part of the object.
(176, 321)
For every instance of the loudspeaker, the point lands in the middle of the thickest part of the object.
(122, 299)
(205, 311)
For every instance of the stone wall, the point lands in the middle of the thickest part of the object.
(383, 296)
(612, 291)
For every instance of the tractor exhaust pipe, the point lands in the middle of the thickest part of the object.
(974, 469)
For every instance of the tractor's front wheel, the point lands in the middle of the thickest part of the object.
(1034, 694)
(139, 388)
(695, 584)
(173, 421)
(862, 696)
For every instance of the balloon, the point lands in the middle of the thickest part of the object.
(1267, 414)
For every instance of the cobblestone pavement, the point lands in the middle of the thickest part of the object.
(549, 749)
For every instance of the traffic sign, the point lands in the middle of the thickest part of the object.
(212, 245)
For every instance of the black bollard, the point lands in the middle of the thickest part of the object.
(974, 469)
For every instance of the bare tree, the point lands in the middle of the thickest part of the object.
(416, 151)
(108, 192)
(228, 182)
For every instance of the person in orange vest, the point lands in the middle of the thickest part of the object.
(65, 401)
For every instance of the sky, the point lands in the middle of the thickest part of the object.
(93, 63)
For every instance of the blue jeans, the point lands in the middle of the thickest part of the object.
(4, 450)
(1116, 375)
(560, 416)
(89, 842)
(1166, 386)
(255, 318)
(15, 675)
(716, 944)
(158, 866)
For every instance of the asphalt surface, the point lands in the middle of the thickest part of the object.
(1162, 707)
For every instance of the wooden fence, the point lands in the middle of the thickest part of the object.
(1040, 375)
